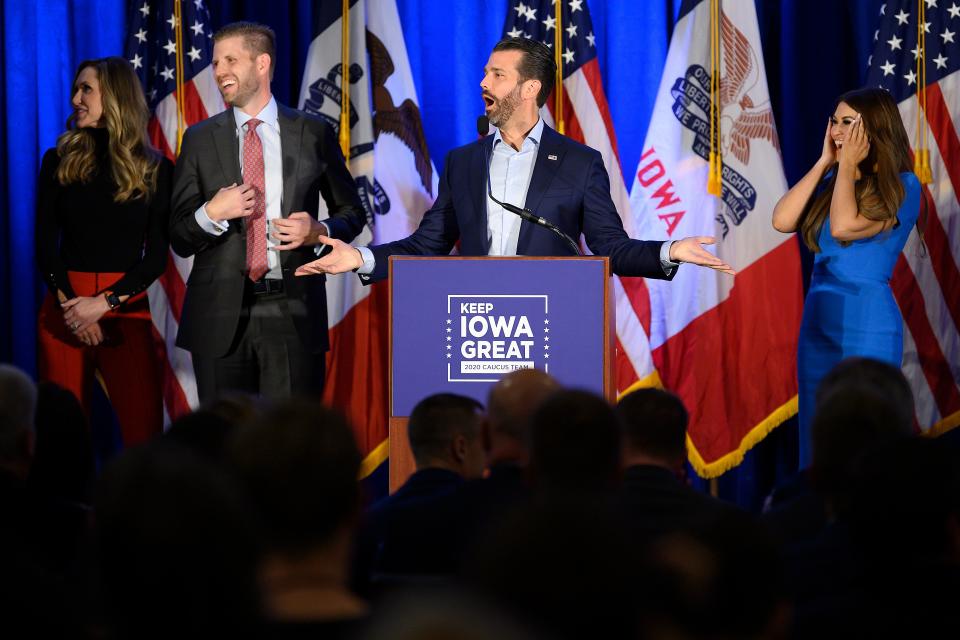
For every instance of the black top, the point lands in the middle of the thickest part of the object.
(81, 228)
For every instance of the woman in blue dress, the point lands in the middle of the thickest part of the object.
(855, 210)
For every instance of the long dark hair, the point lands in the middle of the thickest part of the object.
(879, 191)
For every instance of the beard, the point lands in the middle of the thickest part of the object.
(504, 107)
(247, 87)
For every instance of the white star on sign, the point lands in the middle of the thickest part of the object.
(894, 42)
(194, 54)
(141, 35)
(947, 36)
(197, 28)
(170, 47)
(546, 330)
(575, 5)
(546, 355)
(910, 78)
(145, 9)
(902, 17)
(449, 355)
(449, 320)
(941, 61)
(137, 61)
(167, 73)
(449, 329)
(549, 23)
(571, 31)
(545, 321)
(888, 68)
(448, 338)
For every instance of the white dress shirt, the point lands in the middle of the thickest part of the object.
(269, 132)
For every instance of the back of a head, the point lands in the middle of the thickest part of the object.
(436, 421)
(849, 422)
(63, 464)
(18, 403)
(654, 424)
(872, 375)
(575, 443)
(175, 547)
(513, 400)
(298, 465)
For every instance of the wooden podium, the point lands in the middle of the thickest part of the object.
(458, 324)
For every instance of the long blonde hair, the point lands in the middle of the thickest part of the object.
(133, 160)
(879, 192)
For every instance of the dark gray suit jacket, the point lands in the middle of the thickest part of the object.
(312, 166)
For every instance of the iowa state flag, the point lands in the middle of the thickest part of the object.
(726, 346)
(396, 181)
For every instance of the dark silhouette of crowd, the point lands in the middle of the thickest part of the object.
(545, 513)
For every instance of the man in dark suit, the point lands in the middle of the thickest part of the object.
(257, 167)
(655, 499)
(413, 531)
(523, 163)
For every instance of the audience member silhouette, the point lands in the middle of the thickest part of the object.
(39, 531)
(63, 463)
(175, 549)
(298, 465)
(574, 445)
(413, 532)
(654, 496)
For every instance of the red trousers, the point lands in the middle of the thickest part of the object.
(127, 359)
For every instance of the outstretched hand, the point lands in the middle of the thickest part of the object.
(690, 250)
(342, 258)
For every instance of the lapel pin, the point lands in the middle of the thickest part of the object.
(551, 157)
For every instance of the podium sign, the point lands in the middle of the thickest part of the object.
(460, 324)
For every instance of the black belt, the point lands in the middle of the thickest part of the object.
(265, 286)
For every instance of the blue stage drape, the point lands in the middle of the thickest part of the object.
(813, 50)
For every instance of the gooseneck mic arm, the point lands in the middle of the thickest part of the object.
(483, 126)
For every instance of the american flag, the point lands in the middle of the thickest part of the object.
(169, 46)
(587, 119)
(926, 280)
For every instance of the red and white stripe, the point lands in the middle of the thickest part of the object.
(926, 279)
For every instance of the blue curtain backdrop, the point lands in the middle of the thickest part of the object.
(813, 49)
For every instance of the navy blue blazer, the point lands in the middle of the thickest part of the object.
(569, 187)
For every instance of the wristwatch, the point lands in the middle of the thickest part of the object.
(112, 299)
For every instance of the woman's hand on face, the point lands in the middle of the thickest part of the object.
(829, 154)
(81, 312)
(855, 145)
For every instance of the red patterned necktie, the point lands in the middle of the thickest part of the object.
(253, 174)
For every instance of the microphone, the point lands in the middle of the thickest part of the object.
(483, 127)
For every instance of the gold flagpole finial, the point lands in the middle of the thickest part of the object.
(558, 82)
(345, 84)
(715, 168)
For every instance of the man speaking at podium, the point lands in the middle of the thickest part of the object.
(562, 184)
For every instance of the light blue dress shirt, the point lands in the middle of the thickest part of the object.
(511, 171)
(269, 132)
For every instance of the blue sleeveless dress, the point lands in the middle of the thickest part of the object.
(850, 309)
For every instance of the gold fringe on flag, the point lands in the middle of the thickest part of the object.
(345, 84)
(921, 159)
(715, 175)
(178, 64)
(558, 82)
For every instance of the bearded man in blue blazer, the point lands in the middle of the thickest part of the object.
(526, 162)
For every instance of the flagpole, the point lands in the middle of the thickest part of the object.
(178, 64)
(716, 158)
(558, 82)
(921, 160)
(345, 84)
